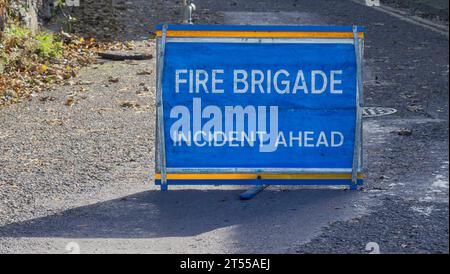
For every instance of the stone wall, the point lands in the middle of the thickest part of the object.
(28, 12)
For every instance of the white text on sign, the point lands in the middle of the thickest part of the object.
(239, 126)
(258, 81)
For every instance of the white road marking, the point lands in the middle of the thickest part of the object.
(428, 24)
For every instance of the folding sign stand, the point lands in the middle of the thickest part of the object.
(189, 56)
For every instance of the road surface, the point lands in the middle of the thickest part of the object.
(82, 176)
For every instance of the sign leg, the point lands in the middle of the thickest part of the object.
(252, 192)
(353, 186)
(164, 187)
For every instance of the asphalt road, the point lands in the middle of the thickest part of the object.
(82, 175)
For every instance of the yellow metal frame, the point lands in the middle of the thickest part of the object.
(258, 34)
(254, 176)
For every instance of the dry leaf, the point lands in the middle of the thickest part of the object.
(69, 102)
(129, 104)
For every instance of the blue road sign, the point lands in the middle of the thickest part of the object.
(259, 105)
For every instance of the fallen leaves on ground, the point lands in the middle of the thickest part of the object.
(55, 122)
(129, 104)
(144, 72)
(415, 108)
(112, 79)
(47, 98)
(404, 132)
(26, 71)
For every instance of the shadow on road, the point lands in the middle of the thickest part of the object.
(183, 213)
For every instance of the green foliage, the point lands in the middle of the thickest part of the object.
(60, 3)
(3, 61)
(4, 58)
(43, 43)
(16, 34)
(47, 47)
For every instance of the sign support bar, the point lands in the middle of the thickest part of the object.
(358, 126)
(161, 139)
